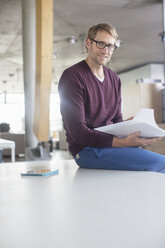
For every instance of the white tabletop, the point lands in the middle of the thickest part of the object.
(9, 143)
(81, 208)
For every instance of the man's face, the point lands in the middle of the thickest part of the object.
(97, 55)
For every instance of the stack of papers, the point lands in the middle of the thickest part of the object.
(143, 121)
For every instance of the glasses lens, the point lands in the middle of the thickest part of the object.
(100, 44)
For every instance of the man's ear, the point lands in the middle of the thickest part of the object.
(88, 41)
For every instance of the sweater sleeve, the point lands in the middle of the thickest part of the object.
(72, 105)
(118, 116)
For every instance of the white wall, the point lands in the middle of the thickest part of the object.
(136, 96)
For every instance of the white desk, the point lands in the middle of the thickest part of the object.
(81, 208)
(8, 144)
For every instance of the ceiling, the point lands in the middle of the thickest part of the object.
(138, 23)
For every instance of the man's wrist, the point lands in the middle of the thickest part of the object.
(119, 142)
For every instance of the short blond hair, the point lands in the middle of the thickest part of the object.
(92, 32)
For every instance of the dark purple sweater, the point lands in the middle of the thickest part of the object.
(87, 103)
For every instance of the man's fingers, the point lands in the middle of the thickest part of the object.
(134, 139)
(147, 142)
(130, 118)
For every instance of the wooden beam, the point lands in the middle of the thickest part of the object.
(44, 49)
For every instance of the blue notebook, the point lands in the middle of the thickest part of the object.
(40, 172)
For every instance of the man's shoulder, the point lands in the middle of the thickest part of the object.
(111, 73)
(73, 75)
(76, 68)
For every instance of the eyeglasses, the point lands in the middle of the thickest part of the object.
(102, 45)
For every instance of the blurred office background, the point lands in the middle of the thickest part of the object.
(140, 61)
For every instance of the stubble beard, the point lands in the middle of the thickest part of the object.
(103, 63)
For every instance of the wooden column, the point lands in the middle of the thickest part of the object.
(44, 47)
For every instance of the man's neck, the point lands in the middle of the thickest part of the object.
(96, 69)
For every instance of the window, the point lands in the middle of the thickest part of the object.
(12, 111)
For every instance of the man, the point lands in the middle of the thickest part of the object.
(90, 96)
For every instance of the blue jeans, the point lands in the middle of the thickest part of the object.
(125, 158)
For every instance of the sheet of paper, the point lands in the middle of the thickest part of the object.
(146, 115)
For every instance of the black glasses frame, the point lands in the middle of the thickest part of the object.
(102, 45)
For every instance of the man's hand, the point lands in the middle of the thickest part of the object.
(130, 118)
(133, 140)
